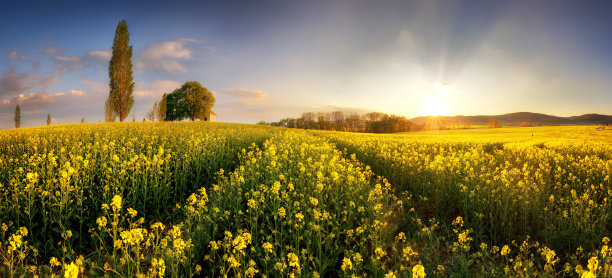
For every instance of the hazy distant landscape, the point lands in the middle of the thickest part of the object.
(520, 117)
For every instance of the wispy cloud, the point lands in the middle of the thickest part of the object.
(166, 56)
(64, 63)
(63, 106)
(50, 49)
(100, 55)
(13, 82)
(155, 89)
(32, 99)
(97, 88)
(76, 92)
(15, 54)
(245, 93)
(12, 55)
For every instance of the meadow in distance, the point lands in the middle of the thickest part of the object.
(349, 193)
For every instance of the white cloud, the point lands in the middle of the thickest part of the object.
(101, 55)
(67, 59)
(166, 55)
(76, 92)
(245, 93)
(36, 98)
(155, 89)
(12, 55)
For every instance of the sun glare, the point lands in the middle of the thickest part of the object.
(443, 86)
(434, 106)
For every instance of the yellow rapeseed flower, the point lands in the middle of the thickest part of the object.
(346, 264)
(132, 212)
(158, 267)
(54, 262)
(116, 203)
(281, 212)
(251, 271)
(233, 263)
(357, 258)
(505, 250)
(418, 271)
(71, 270)
(101, 221)
(390, 274)
(294, 261)
(380, 253)
(299, 216)
(268, 247)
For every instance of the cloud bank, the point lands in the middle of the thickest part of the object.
(166, 56)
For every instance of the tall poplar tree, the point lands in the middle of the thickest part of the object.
(48, 119)
(120, 99)
(17, 116)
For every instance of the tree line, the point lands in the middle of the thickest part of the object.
(374, 122)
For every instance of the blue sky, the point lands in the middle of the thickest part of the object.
(266, 60)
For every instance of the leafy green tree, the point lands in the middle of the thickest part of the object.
(190, 101)
(48, 119)
(120, 99)
(176, 105)
(199, 100)
(17, 116)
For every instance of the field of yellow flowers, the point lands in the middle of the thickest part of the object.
(231, 200)
(547, 187)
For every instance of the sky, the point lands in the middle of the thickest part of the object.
(267, 60)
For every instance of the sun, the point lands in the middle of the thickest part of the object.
(443, 86)
(434, 105)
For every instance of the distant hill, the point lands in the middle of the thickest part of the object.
(520, 117)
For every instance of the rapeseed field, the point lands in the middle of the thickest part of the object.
(231, 200)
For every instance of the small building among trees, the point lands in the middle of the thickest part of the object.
(210, 116)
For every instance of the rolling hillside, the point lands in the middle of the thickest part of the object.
(519, 117)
